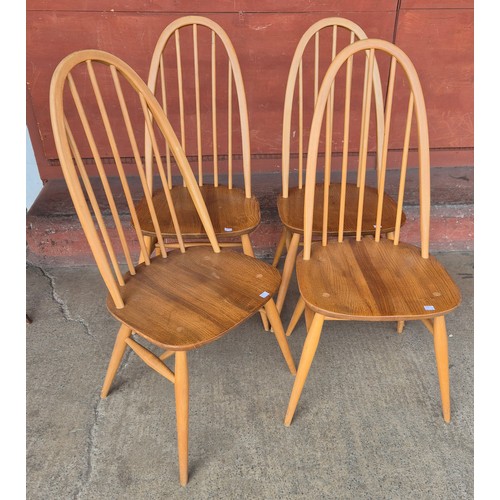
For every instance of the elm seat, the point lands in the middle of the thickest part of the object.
(369, 281)
(291, 211)
(195, 75)
(231, 212)
(319, 43)
(178, 300)
(191, 298)
(369, 277)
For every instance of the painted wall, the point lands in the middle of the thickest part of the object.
(436, 34)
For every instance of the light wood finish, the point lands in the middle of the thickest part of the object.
(369, 278)
(308, 352)
(233, 210)
(177, 301)
(441, 350)
(288, 270)
(297, 313)
(291, 210)
(116, 358)
(232, 214)
(203, 30)
(360, 201)
(181, 387)
(335, 281)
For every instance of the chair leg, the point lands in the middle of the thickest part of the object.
(310, 345)
(297, 313)
(116, 358)
(309, 317)
(441, 350)
(274, 318)
(280, 247)
(287, 270)
(248, 250)
(181, 388)
(149, 242)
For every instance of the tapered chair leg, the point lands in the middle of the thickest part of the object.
(287, 270)
(280, 247)
(308, 352)
(116, 358)
(274, 318)
(181, 388)
(248, 250)
(441, 350)
(149, 242)
(309, 315)
(297, 313)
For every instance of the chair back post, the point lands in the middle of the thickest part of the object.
(416, 104)
(234, 75)
(296, 71)
(74, 167)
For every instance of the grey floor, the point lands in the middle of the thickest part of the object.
(368, 424)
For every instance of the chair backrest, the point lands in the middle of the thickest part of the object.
(300, 98)
(194, 76)
(404, 105)
(95, 99)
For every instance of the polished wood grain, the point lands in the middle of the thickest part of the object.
(366, 277)
(353, 209)
(370, 281)
(291, 210)
(177, 300)
(195, 297)
(232, 214)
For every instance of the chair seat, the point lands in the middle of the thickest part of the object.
(192, 298)
(291, 210)
(230, 211)
(366, 280)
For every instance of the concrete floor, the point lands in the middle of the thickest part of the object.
(368, 424)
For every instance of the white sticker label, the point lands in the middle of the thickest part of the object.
(429, 308)
(264, 295)
(228, 229)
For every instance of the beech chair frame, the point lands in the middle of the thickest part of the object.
(241, 201)
(370, 278)
(153, 298)
(291, 236)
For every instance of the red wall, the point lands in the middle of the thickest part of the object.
(437, 35)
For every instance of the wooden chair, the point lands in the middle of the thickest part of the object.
(176, 301)
(196, 76)
(298, 107)
(370, 278)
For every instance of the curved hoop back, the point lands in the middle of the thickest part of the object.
(92, 95)
(409, 85)
(296, 72)
(158, 83)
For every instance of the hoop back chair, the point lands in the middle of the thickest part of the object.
(291, 202)
(196, 76)
(370, 278)
(176, 301)
(185, 75)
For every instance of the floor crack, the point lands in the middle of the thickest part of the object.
(62, 306)
(90, 452)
